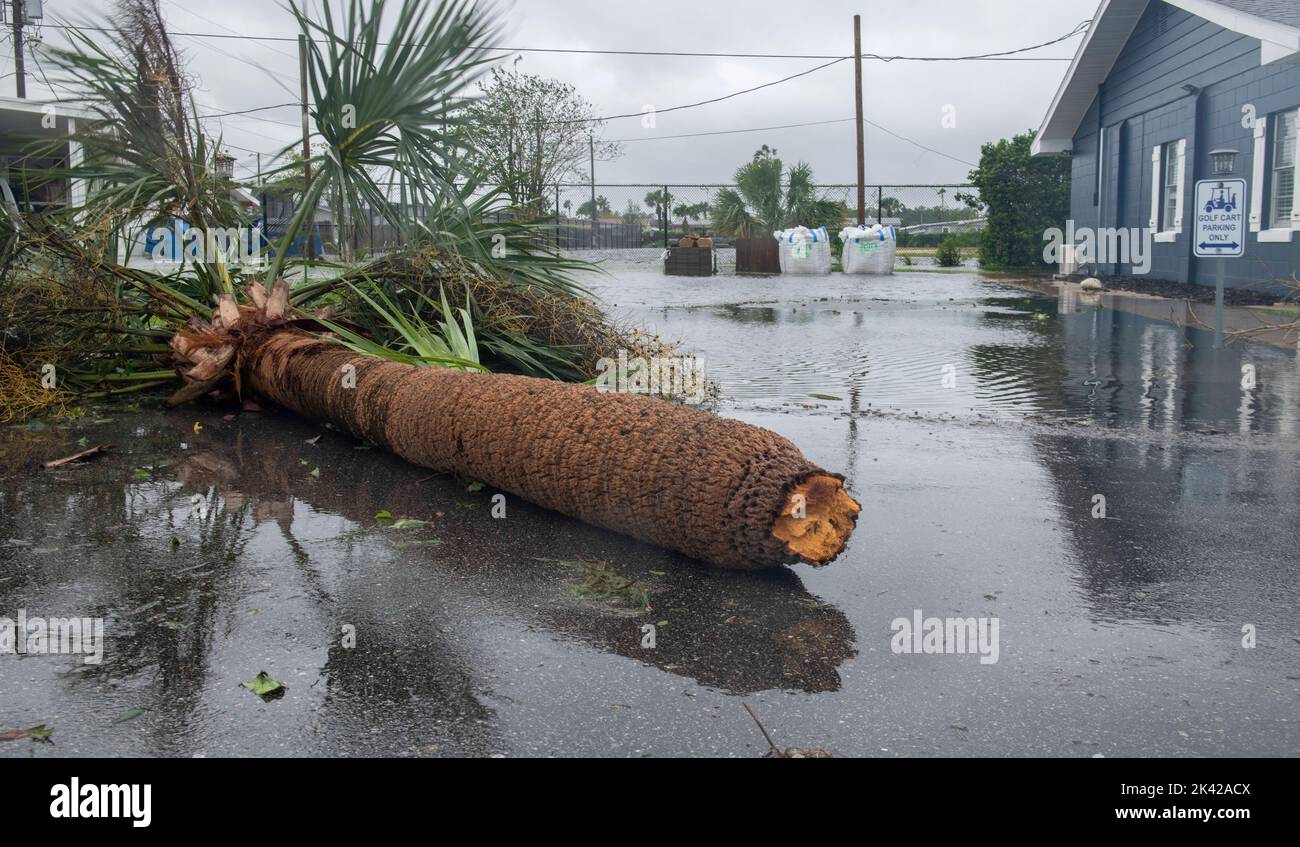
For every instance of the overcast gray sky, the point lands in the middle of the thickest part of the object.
(986, 100)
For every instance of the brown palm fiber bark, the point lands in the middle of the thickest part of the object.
(719, 490)
(715, 489)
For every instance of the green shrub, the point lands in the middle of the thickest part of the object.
(1022, 196)
(949, 254)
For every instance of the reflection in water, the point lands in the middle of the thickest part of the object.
(739, 632)
(1159, 392)
(469, 636)
(184, 563)
(1181, 540)
(887, 344)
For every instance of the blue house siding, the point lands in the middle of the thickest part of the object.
(1143, 104)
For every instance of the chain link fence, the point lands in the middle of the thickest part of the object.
(647, 215)
(629, 216)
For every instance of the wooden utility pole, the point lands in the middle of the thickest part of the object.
(857, 99)
(591, 152)
(306, 144)
(20, 71)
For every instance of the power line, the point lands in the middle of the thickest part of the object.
(730, 131)
(911, 141)
(1005, 55)
(220, 25)
(248, 111)
(916, 143)
(709, 101)
(833, 60)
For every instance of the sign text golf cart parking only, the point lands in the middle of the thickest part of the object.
(1220, 218)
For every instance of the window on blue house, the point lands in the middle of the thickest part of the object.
(1172, 162)
(1282, 181)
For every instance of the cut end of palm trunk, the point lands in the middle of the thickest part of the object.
(817, 520)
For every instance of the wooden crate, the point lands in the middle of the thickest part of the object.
(689, 261)
(758, 256)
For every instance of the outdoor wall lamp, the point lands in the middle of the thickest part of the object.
(1223, 161)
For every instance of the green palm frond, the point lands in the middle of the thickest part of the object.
(760, 205)
(452, 345)
(386, 95)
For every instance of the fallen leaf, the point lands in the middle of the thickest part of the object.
(408, 523)
(383, 515)
(198, 427)
(264, 686)
(129, 714)
(316, 473)
(40, 732)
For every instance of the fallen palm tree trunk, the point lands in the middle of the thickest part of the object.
(719, 490)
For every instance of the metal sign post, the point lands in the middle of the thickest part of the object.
(1220, 233)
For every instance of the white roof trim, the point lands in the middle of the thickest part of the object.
(1111, 28)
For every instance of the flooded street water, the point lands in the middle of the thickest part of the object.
(976, 422)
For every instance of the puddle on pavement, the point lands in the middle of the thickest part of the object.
(216, 554)
(954, 344)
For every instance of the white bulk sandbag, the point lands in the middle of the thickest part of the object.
(804, 250)
(868, 249)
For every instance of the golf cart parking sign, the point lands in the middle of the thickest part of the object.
(1220, 218)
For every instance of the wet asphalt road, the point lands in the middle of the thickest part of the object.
(974, 421)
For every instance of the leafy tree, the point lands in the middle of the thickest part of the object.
(529, 132)
(659, 200)
(1022, 196)
(764, 202)
(632, 213)
(891, 207)
(686, 211)
(602, 207)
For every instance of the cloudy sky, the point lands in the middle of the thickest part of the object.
(985, 100)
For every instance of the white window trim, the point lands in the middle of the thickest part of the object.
(1257, 168)
(1260, 173)
(1170, 235)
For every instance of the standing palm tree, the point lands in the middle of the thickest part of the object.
(891, 207)
(760, 204)
(686, 211)
(660, 200)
